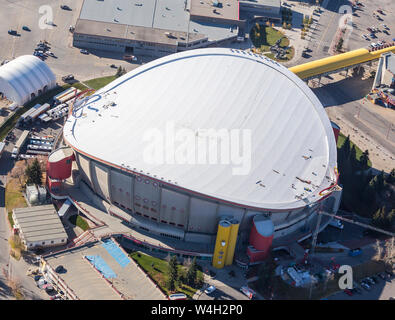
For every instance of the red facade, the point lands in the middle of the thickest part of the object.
(336, 130)
(61, 169)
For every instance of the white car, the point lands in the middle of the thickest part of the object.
(336, 223)
(210, 290)
(365, 37)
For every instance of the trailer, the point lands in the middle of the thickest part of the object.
(39, 111)
(40, 142)
(2, 147)
(36, 152)
(39, 147)
(62, 94)
(69, 96)
(26, 116)
(21, 141)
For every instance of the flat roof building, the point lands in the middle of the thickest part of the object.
(39, 226)
(161, 27)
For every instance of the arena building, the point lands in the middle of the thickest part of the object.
(202, 136)
(161, 27)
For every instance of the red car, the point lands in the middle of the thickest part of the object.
(347, 291)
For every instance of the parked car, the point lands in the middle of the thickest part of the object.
(365, 286)
(60, 269)
(248, 292)
(177, 296)
(355, 252)
(210, 290)
(113, 66)
(83, 51)
(12, 32)
(68, 78)
(348, 292)
(370, 281)
(65, 7)
(382, 275)
(26, 28)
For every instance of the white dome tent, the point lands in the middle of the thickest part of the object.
(25, 78)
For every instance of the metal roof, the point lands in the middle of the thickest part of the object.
(291, 136)
(39, 224)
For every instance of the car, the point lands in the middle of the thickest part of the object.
(60, 269)
(248, 292)
(113, 66)
(12, 32)
(65, 7)
(337, 224)
(348, 292)
(83, 51)
(26, 28)
(69, 77)
(389, 273)
(365, 286)
(385, 26)
(177, 296)
(37, 277)
(370, 281)
(365, 37)
(382, 275)
(130, 57)
(210, 289)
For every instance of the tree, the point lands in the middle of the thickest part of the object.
(120, 72)
(173, 273)
(33, 173)
(339, 45)
(364, 159)
(192, 273)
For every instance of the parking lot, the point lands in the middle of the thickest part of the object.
(381, 290)
(16, 14)
(363, 18)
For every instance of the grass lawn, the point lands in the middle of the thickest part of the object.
(340, 141)
(157, 269)
(264, 37)
(79, 222)
(99, 82)
(13, 198)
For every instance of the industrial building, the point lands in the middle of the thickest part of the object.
(39, 226)
(289, 172)
(25, 78)
(158, 28)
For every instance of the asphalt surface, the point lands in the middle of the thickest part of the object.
(16, 13)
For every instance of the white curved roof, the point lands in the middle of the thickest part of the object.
(23, 76)
(291, 135)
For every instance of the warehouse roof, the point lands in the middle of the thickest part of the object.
(148, 20)
(24, 76)
(292, 153)
(39, 224)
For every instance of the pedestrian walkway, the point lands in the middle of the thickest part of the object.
(116, 252)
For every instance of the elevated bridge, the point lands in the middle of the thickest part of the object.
(339, 62)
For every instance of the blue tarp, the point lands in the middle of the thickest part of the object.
(102, 266)
(115, 252)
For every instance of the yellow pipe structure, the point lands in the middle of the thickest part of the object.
(221, 244)
(234, 230)
(339, 61)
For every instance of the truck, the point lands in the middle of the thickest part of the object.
(19, 144)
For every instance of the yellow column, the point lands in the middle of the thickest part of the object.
(234, 229)
(221, 244)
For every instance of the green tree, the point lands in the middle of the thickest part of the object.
(33, 173)
(192, 273)
(173, 273)
(364, 159)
